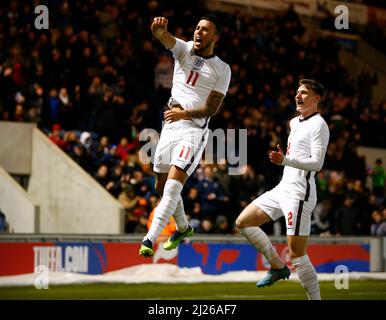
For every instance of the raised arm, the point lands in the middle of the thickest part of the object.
(213, 104)
(159, 28)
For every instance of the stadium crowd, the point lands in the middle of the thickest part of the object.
(97, 78)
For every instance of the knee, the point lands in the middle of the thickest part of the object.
(241, 224)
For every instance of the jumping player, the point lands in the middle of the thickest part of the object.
(200, 82)
(295, 195)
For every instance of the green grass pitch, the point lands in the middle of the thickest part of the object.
(283, 290)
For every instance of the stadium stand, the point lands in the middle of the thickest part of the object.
(96, 79)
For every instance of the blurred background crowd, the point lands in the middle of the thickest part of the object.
(97, 78)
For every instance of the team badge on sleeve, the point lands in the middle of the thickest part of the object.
(198, 63)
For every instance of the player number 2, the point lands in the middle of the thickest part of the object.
(289, 218)
(193, 77)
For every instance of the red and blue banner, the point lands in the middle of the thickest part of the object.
(220, 258)
(212, 258)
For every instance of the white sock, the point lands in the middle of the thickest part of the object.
(165, 208)
(180, 217)
(259, 239)
(307, 276)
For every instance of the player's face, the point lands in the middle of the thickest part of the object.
(306, 101)
(204, 37)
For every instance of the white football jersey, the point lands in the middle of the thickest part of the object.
(306, 150)
(195, 77)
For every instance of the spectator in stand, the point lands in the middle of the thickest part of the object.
(378, 227)
(66, 109)
(250, 186)
(86, 140)
(141, 226)
(193, 207)
(230, 184)
(94, 94)
(125, 148)
(80, 156)
(71, 139)
(347, 218)
(114, 186)
(143, 186)
(53, 104)
(56, 136)
(378, 176)
(206, 226)
(322, 185)
(108, 23)
(222, 225)
(220, 172)
(361, 203)
(19, 114)
(104, 152)
(33, 115)
(355, 165)
(105, 114)
(321, 218)
(211, 194)
(102, 175)
(129, 201)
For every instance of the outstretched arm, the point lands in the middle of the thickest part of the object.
(211, 107)
(159, 28)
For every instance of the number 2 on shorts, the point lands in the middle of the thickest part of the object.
(289, 219)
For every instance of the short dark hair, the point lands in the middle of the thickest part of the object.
(212, 18)
(314, 85)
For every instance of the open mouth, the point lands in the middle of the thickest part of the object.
(198, 40)
(299, 103)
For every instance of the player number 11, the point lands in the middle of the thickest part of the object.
(193, 77)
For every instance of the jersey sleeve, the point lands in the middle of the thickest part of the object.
(319, 142)
(180, 48)
(223, 81)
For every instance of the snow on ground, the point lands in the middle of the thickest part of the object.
(164, 273)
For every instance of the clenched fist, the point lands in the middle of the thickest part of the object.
(159, 25)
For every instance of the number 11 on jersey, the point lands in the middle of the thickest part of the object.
(193, 77)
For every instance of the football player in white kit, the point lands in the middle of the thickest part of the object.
(295, 195)
(200, 82)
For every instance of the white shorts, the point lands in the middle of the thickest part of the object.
(297, 213)
(181, 144)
